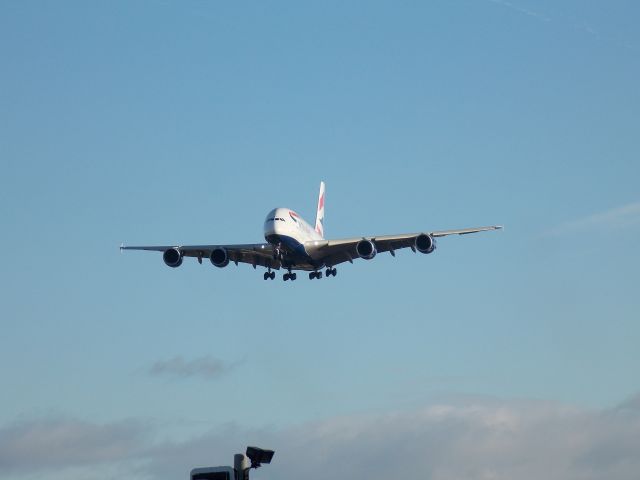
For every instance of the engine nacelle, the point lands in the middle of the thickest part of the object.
(366, 249)
(219, 257)
(172, 257)
(425, 243)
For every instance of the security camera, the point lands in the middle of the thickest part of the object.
(259, 456)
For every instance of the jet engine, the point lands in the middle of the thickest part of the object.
(172, 257)
(219, 257)
(366, 249)
(425, 243)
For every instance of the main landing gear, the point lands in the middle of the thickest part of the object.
(329, 272)
(289, 276)
(269, 275)
(292, 276)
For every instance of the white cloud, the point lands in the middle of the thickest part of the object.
(478, 440)
(60, 443)
(469, 439)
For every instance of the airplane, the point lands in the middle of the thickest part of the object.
(293, 244)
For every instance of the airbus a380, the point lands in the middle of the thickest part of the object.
(293, 244)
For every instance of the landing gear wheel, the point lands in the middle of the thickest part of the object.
(286, 276)
(272, 275)
(293, 276)
(267, 275)
(329, 272)
(334, 272)
(312, 275)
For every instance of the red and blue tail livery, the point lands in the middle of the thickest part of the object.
(320, 212)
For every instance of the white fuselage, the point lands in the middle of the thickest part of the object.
(285, 228)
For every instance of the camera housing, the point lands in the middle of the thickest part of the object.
(259, 456)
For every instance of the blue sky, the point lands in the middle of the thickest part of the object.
(155, 123)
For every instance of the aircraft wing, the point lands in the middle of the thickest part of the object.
(334, 252)
(255, 254)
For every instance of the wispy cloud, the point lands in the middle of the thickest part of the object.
(522, 10)
(617, 218)
(565, 21)
(207, 367)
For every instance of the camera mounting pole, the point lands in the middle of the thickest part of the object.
(241, 466)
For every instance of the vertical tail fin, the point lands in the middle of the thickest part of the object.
(320, 212)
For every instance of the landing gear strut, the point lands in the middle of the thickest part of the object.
(277, 252)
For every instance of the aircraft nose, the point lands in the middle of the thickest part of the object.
(277, 227)
(271, 223)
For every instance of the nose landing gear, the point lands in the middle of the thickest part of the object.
(277, 252)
